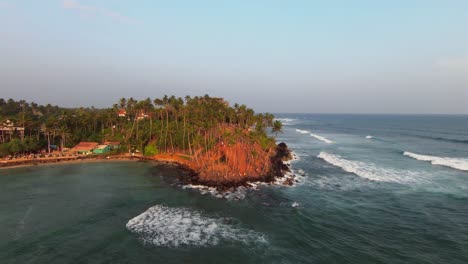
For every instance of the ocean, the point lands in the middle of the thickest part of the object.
(374, 189)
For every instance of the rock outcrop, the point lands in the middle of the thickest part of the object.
(233, 165)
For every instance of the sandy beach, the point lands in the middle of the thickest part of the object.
(23, 162)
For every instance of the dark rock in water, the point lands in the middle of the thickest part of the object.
(282, 154)
(283, 151)
(288, 181)
(285, 167)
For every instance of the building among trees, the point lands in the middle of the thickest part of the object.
(8, 129)
(84, 148)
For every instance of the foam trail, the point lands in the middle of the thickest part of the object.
(231, 194)
(302, 131)
(173, 227)
(368, 170)
(455, 163)
(285, 121)
(324, 139)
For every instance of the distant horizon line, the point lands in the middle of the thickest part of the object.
(351, 113)
(275, 113)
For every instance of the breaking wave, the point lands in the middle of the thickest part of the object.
(173, 227)
(302, 131)
(285, 121)
(455, 163)
(324, 139)
(369, 170)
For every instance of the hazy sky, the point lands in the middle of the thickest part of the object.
(400, 56)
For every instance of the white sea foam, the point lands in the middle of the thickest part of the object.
(324, 139)
(369, 170)
(295, 157)
(173, 227)
(455, 163)
(239, 193)
(302, 131)
(232, 194)
(285, 121)
(369, 137)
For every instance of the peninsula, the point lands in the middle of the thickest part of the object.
(221, 145)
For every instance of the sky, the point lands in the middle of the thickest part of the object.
(298, 56)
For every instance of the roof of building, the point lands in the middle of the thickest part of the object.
(122, 112)
(101, 147)
(85, 146)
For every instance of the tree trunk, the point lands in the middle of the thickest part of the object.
(167, 130)
(183, 136)
(48, 142)
(151, 126)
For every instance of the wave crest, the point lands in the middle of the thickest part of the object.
(369, 170)
(455, 163)
(302, 131)
(323, 139)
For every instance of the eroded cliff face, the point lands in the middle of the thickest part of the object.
(228, 165)
(234, 164)
(228, 156)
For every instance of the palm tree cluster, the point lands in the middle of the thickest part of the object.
(183, 125)
(190, 125)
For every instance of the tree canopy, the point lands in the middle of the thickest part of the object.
(170, 124)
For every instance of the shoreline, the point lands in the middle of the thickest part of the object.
(281, 169)
(11, 164)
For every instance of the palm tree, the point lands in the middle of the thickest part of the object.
(123, 103)
(277, 127)
(269, 119)
(48, 132)
(64, 133)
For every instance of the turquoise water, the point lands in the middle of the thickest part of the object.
(361, 201)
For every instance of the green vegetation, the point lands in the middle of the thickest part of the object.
(192, 125)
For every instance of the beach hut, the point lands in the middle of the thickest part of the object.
(101, 149)
(113, 144)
